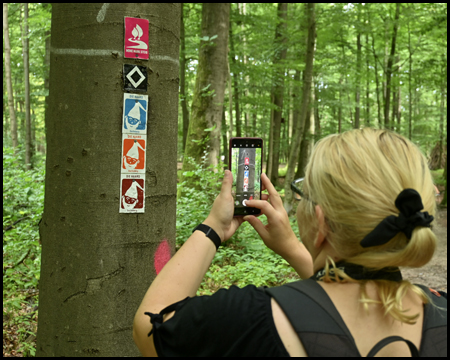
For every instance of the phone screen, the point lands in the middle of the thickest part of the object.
(246, 166)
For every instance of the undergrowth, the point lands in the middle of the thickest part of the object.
(23, 203)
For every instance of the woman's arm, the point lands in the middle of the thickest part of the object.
(183, 274)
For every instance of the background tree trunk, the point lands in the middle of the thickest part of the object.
(304, 107)
(12, 113)
(389, 69)
(235, 83)
(184, 106)
(207, 104)
(358, 69)
(26, 68)
(97, 264)
(278, 90)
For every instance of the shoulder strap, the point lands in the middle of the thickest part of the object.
(316, 313)
(319, 313)
(434, 316)
(386, 341)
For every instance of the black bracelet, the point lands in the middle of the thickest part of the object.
(210, 233)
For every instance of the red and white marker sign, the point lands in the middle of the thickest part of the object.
(136, 38)
(132, 198)
(133, 153)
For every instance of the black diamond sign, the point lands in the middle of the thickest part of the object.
(134, 78)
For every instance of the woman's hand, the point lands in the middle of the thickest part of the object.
(277, 234)
(221, 219)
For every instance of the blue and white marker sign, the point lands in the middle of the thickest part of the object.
(135, 108)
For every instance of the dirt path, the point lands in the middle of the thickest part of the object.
(433, 274)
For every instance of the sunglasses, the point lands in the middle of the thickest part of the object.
(297, 188)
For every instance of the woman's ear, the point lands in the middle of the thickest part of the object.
(322, 227)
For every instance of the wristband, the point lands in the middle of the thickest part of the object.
(210, 233)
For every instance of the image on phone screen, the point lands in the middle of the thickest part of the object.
(246, 166)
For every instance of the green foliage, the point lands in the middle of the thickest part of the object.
(23, 202)
(422, 33)
(39, 22)
(438, 177)
(193, 205)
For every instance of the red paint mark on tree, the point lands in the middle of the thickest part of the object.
(162, 256)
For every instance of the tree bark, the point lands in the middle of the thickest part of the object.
(97, 263)
(207, 104)
(304, 107)
(278, 89)
(12, 113)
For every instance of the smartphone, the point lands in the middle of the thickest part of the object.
(245, 161)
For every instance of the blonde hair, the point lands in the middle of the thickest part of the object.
(355, 177)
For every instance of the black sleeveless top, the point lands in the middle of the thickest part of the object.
(239, 322)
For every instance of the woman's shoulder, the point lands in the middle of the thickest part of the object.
(240, 317)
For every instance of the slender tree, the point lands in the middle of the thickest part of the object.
(277, 92)
(305, 103)
(26, 72)
(12, 113)
(358, 67)
(183, 98)
(97, 264)
(389, 67)
(237, 109)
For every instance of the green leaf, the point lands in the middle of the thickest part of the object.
(211, 128)
(206, 87)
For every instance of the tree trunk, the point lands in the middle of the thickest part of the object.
(389, 69)
(358, 70)
(98, 263)
(409, 86)
(339, 130)
(224, 137)
(26, 71)
(367, 81)
(184, 107)
(441, 112)
(235, 83)
(207, 104)
(12, 113)
(42, 144)
(305, 104)
(230, 101)
(377, 90)
(278, 89)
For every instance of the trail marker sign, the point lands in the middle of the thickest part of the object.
(136, 38)
(135, 108)
(135, 78)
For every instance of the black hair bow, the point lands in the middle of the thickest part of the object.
(409, 203)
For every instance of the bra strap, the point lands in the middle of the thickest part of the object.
(382, 343)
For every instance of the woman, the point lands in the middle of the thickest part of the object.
(360, 218)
